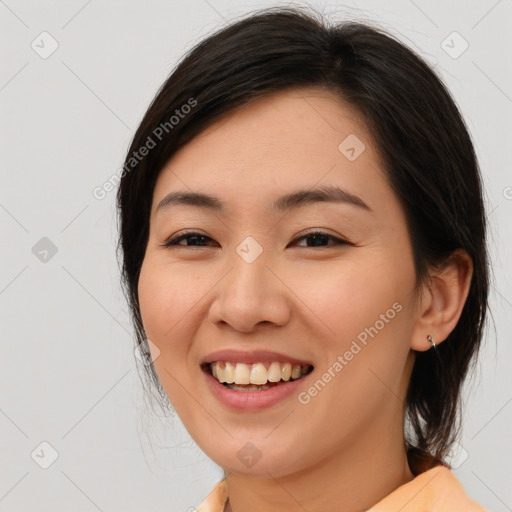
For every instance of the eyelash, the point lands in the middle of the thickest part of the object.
(173, 241)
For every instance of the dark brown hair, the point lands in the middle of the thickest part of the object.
(426, 151)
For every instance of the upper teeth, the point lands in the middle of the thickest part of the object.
(257, 373)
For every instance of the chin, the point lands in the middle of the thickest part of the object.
(252, 459)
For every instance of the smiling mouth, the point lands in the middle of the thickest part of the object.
(257, 376)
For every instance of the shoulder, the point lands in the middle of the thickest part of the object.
(216, 499)
(437, 489)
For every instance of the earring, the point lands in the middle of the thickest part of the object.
(431, 340)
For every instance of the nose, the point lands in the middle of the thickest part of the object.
(250, 294)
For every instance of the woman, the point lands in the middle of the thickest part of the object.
(303, 241)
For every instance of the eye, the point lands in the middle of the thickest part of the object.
(318, 237)
(192, 235)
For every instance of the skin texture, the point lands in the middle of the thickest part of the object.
(344, 449)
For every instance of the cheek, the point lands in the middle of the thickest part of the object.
(361, 308)
(345, 297)
(170, 304)
(166, 296)
(164, 301)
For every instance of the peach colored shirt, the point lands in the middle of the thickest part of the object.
(435, 490)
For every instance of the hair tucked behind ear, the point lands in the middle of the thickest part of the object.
(422, 139)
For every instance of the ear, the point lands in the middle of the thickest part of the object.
(442, 299)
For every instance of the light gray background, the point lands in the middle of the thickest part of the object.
(68, 375)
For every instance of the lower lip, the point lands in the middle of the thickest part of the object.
(252, 400)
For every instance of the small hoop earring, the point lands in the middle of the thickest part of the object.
(431, 340)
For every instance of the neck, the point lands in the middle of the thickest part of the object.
(353, 479)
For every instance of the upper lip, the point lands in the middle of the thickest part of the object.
(251, 357)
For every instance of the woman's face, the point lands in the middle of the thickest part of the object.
(252, 287)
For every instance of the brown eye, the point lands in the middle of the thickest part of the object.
(199, 240)
(195, 237)
(319, 237)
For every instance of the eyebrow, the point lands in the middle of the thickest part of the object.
(296, 199)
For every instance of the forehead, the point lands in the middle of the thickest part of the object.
(284, 141)
(292, 118)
